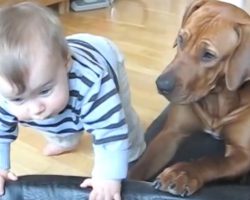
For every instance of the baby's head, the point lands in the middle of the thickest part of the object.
(34, 60)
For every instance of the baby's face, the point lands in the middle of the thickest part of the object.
(46, 93)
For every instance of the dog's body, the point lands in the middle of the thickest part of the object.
(207, 85)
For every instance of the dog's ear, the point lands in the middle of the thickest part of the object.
(237, 70)
(192, 7)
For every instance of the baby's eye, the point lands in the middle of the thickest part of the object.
(17, 100)
(46, 91)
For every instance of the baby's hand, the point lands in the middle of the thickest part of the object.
(103, 189)
(5, 175)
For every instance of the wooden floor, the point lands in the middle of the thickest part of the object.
(145, 31)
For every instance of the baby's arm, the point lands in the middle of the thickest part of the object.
(8, 133)
(5, 174)
(106, 122)
(110, 168)
(103, 116)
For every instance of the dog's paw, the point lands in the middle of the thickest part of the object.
(180, 179)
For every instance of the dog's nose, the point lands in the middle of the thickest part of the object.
(165, 83)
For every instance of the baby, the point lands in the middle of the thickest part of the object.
(63, 87)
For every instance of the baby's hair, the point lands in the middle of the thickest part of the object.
(22, 27)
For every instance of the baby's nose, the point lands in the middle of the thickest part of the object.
(37, 108)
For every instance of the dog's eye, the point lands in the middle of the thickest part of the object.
(180, 41)
(208, 56)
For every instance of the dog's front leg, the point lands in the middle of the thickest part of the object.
(185, 178)
(181, 122)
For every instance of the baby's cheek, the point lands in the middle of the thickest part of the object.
(19, 112)
(59, 101)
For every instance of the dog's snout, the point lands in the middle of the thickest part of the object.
(165, 83)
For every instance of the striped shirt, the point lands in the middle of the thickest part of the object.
(94, 106)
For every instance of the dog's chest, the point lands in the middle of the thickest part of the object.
(218, 105)
(214, 110)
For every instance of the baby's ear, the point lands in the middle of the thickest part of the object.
(68, 60)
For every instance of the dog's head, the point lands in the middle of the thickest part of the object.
(213, 43)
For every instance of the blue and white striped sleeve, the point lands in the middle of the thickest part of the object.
(104, 118)
(8, 133)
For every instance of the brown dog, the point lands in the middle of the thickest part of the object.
(207, 85)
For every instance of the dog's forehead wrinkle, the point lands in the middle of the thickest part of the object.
(198, 31)
(222, 10)
(207, 44)
(193, 46)
(207, 17)
(212, 36)
(225, 14)
(230, 12)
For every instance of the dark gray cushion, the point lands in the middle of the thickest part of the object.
(52, 187)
